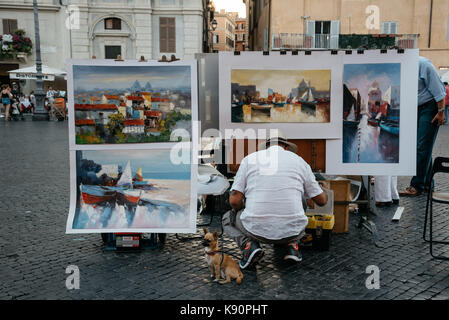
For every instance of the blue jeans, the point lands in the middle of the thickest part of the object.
(427, 134)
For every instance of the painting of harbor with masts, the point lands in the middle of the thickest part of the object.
(124, 190)
(371, 113)
(279, 96)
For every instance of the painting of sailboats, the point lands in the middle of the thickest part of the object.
(371, 113)
(125, 191)
(279, 96)
(92, 194)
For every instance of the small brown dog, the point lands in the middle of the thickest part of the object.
(220, 264)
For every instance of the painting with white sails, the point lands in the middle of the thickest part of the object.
(280, 95)
(297, 93)
(131, 191)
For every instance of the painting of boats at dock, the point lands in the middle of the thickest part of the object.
(280, 96)
(371, 113)
(114, 104)
(131, 191)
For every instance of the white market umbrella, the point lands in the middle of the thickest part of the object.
(30, 73)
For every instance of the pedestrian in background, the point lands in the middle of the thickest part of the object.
(15, 89)
(431, 94)
(33, 100)
(25, 105)
(1, 104)
(6, 99)
(47, 105)
(446, 102)
(51, 95)
(386, 190)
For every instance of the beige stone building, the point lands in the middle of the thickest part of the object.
(286, 24)
(223, 38)
(241, 36)
(80, 29)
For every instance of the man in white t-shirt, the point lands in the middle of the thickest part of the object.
(267, 200)
(51, 94)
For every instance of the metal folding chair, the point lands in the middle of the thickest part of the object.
(440, 165)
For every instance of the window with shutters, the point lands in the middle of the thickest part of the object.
(112, 24)
(389, 27)
(322, 34)
(9, 26)
(167, 34)
(230, 42)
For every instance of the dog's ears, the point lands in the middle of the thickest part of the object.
(215, 235)
(205, 230)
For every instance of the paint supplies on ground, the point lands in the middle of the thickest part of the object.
(318, 232)
(320, 225)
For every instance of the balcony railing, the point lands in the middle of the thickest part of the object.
(290, 41)
(301, 41)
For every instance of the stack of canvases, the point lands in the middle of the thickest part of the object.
(124, 175)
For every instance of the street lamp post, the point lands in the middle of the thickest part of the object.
(40, 114)
(214, 26)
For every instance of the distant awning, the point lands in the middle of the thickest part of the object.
(48, 74)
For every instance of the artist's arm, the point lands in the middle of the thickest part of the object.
(437, 89)
(236, 200)
(439, 118)
(236, 197)
(313, 189)
(320, 199)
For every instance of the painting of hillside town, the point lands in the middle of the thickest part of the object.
(124, 190)
(280, 96)
(371, 113)
(130, 104)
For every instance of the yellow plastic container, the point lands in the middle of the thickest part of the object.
(320, 228)
(325, 222)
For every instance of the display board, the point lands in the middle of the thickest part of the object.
(130, 171)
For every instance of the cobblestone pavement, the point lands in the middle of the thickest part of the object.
(35, 251)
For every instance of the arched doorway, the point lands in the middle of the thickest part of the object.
(112, 35)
